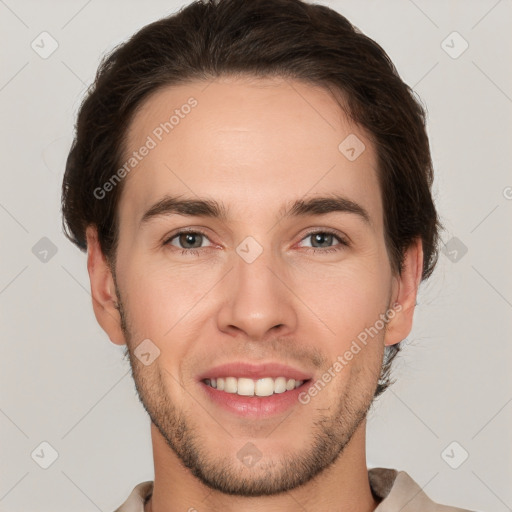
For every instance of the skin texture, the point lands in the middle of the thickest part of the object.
(256, 145)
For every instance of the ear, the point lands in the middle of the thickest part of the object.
(104, 298)
(404, 294)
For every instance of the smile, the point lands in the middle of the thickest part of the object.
(243, 386)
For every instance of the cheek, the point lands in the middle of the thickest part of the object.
(347, 297)
(351, 303)
(163, 301)
(170, 302)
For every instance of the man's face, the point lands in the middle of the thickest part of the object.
(250, 288)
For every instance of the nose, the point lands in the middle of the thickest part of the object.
(258, 300)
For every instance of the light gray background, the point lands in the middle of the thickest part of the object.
(63, 382)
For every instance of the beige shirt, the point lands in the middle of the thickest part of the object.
(397, 491)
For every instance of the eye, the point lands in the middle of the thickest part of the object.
(321, 241)
(187, 241)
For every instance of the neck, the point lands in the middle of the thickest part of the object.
(341, 487)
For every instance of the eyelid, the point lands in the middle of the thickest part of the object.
(344, 241)
(167, 239)
(342, 238)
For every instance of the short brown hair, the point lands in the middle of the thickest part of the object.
(259, 38)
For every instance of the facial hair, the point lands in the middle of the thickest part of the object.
(331, 432)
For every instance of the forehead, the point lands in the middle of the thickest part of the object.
(252, 144)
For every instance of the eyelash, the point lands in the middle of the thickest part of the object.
(195, 252)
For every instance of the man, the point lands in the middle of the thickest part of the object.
(281, 144)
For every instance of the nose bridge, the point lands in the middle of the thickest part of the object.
(257, 300)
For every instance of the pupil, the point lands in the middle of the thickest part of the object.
(189, 239)
(322, 237)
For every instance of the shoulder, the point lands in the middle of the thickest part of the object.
(399, 492)
(136, 499)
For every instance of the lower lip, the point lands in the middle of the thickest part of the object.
(255, 406)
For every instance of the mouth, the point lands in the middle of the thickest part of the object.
(243, 386)
(254, 391)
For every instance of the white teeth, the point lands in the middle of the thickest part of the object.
(245, 387)
(280, 385)
(248, 387)
(264, 387)
(230, 385)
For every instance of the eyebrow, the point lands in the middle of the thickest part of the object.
(170, 205)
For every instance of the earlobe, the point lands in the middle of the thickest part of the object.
(104, 298)
(399, 327)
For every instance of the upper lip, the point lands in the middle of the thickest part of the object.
(254, 371)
